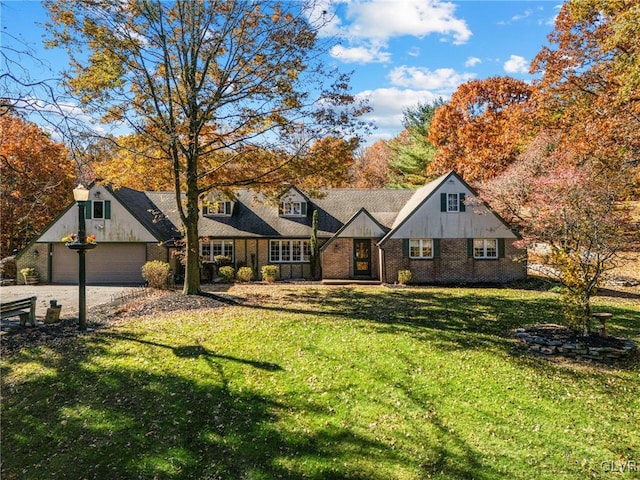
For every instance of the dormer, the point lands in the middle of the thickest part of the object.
(293, 203)
(217, 206)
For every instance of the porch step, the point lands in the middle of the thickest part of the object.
(348, 281)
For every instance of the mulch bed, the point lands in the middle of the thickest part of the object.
(106, 315)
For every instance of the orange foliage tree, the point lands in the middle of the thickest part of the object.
(371, 168)
(482, 129)
(590, 90)
(37, 181)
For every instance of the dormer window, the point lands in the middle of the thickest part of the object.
(293, 209)
(220, 208)
(293, 203)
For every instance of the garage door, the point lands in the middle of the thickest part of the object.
(106, 264)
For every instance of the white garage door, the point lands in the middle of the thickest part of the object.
(106, 264)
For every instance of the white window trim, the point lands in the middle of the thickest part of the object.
(455, 207)
(421, 242)
(287, 209)
(212, 256)
(304, 252)
(213, 209)
(485, 248)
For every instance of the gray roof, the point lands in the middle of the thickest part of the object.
(255, 215)
(144, 207)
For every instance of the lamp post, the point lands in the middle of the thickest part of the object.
(81, 195)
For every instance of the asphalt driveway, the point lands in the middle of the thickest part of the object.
(65, 295)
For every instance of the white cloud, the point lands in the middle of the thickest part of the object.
(516, 64)
(370, 54)
(367, 25)
(414, 52)
(442, 81)
(472, 62)
(375, 19)
(388, 105)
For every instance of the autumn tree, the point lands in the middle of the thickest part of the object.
(482, 129)
(37, 181)
(590, 88)
(412, 150)
(222, 89)
(570, 210)
(371, 166)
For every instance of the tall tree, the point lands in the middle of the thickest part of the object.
(37, 180)
(412, 150)
(371, 167)
(483, 128)
(590, 89)
(218, 87)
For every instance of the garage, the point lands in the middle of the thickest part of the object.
(114, 263)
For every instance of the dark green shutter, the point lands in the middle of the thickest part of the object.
(87, 210)
(303, 208)
(501, 248)
(462, 205)
(470, 247)
(436, 248)
(443, 202)
(107, 209)
(405, 247)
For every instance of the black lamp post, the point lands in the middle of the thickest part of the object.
(81, 195)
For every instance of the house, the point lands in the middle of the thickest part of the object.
(434, 231)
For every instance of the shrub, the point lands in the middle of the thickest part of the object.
(244, 274)
(270, 273)
(223, 260)
(156, 273)
(8, 268)
(404, 277)
(227, 273)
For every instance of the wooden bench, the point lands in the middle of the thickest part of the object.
(24, 308)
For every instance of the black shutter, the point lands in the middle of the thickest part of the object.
(462, 205)
(303, 208)
(470, 247)
(405, 247)
(501, 248)
(436, 248)
(107, 209)
(87, 210)
(443, 202)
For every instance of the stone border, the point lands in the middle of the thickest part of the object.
(556, 345)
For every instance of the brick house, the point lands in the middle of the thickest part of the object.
(363, 234)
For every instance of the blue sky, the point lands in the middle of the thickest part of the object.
(401, 52)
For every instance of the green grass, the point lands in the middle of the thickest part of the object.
(324, 383)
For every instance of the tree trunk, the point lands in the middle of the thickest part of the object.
(192, 267)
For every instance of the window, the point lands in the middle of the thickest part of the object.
(98, 209)
(485, 248)
(289, 251)
(293, 209)
(421, 248)
(452, 202)
(220, 209)
(209, 250)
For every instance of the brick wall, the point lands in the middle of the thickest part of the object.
(337, 259)
(157, 252)
(29, 259)
(453, 265)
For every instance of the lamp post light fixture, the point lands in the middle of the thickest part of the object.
(81, 196)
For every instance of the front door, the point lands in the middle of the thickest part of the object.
(362, 257)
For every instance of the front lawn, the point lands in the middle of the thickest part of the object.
(307, 381)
